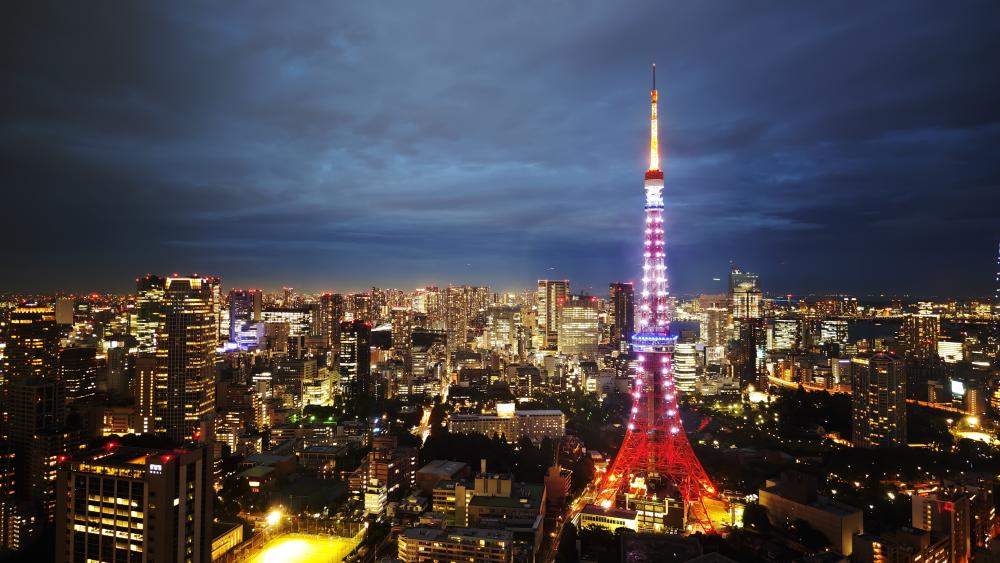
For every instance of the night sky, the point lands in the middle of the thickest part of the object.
(834, 146)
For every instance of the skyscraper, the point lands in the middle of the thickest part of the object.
(244, 307)
(685, 366)
(745, 305)
(622, 297)
(465, 313)
(920, 334)
(8, 497)
(32, 343)
(64, 310)
(715, 326)
(744, 294)
(402, 333)
(78, 372)
(214, 285)
(578, 332)
(787, 335)
(331, 314)
(502, 327)
(355, 358)
(834, 331)
(551, 295)
(878, 401)
(38, 434)
(145, 392)
(135, 504)
(185, 345)
(148, 300)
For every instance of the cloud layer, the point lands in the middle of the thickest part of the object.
(830, 147)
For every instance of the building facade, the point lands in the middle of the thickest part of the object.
(135, 505)
(878, 401)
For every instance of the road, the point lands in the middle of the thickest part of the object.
(585, 498)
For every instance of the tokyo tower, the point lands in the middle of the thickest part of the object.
(655, 451)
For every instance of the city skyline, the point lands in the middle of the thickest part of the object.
(390, 149)
(539, 283)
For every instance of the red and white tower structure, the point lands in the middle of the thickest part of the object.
(655, 448)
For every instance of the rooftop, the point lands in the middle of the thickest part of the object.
(457, 534)
(610, 512)
(326, 449)
(522, 496)
(257, 471)
(120, 455)
(825, 504)
(268, 459)
(443, 467)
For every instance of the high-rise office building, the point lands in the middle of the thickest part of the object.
(878, 401)
(214, 285)
(429, 350)
(244, 307)
(502, 327)
(38, 434)
(78, 372)
(332, 309)
(745, 295)
(920, 334)
(32, 406)
(185, 346)
(622, 299)
(392, 466)
(135, 504)
(8, 494)
(578, 331)
(551, 296)
(117, 368)
(685, 366)
(834, 331)
(64, 309)
(465, 314)
(954, 512)
(145, 393)
(402, 334)
(32, 343)
(746, 309)
(354, 358)
(715, 326)
(787, 335)
(146, 319)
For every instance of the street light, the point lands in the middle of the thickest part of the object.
(273, 518)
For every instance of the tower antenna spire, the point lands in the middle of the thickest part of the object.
(654, 142)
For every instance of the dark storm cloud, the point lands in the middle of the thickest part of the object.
(338, 145)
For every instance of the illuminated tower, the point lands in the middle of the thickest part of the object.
(655, 450)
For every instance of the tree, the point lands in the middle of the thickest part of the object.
(755, 518)
(804, 533)
(583, 473)
(567, 545)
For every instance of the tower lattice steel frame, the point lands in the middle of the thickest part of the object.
(655, 445)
